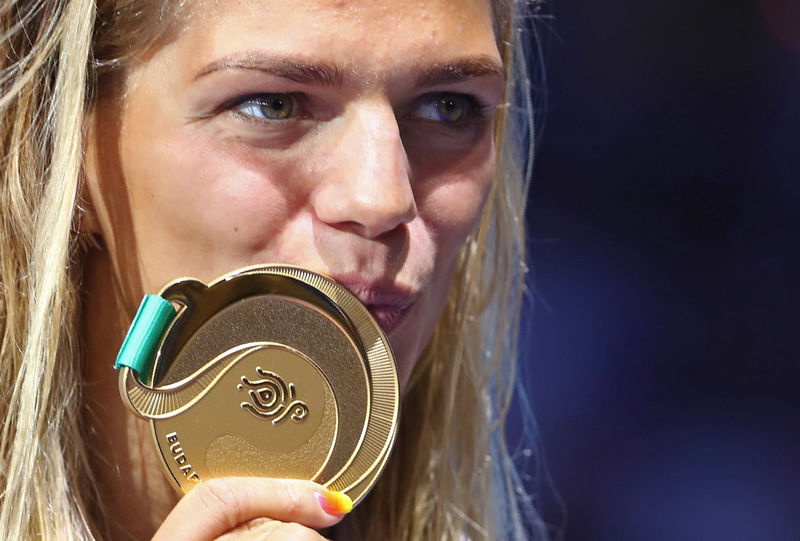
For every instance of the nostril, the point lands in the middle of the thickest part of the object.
(388, 213)
(349, 227)
(378, 217)
(366, 212)
(366, 232)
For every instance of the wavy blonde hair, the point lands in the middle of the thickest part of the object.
(450, 477)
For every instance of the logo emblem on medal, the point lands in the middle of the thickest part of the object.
(271, 398)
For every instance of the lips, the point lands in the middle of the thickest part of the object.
(388, 303)
(389, 318)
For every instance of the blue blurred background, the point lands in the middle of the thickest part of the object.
(662, 347)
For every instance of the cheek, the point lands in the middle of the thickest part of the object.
(449, 208)
(225, 192)
(204, 203)
(456, 208)
(452, 205)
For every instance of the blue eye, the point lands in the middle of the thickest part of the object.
(449, 108)
(268, 106)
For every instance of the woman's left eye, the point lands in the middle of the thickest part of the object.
(268, 106)
(448, 108)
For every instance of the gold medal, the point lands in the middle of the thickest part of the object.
(270, 371)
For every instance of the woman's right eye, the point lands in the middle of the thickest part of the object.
(267, 107)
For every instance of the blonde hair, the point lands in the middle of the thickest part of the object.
(450, 476)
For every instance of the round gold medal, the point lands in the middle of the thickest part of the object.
(270, 371)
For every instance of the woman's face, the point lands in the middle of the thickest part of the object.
(351, 137)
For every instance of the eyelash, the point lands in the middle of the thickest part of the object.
(475, 109)
(259, 100)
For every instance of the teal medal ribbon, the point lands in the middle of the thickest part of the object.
(139, 348)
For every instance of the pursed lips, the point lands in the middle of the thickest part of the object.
(388, 303)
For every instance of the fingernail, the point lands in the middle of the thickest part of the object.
(335, 503)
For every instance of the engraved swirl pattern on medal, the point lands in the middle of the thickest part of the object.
(272, 398)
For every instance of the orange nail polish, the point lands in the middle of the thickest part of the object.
(335, 503)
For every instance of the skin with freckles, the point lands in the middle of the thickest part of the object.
(354, 138)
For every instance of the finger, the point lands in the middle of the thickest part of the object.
(264, 529)
(220, 505)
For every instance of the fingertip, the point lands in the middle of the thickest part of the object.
(334, 503)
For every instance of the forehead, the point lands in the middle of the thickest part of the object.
(375, 36)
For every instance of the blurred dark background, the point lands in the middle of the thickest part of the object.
(662, 355)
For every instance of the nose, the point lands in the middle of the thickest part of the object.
(365, 182)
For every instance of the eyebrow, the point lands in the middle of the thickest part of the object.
(461, 70)
(331, 75)
(320, 73)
